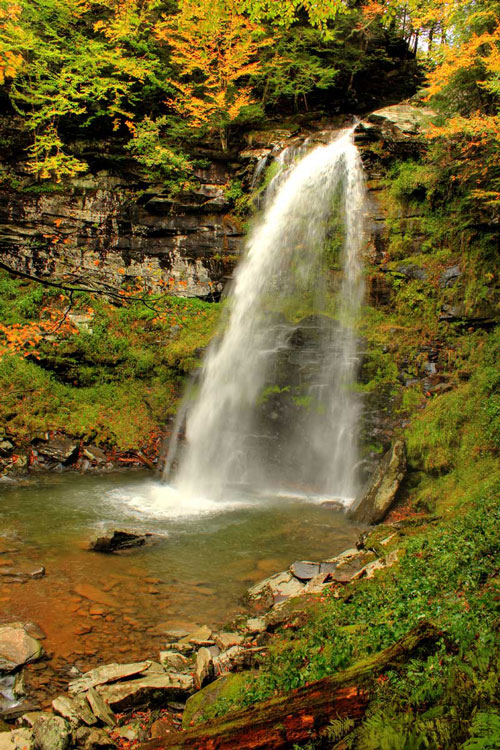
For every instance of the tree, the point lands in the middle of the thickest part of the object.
(215, 49)
(72, 61)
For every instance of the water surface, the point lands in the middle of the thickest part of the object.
(98, 608)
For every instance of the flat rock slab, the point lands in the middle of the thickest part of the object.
(278, 588)
(109, 673)
(158, 688)
(88, 591)
(226, 640)
(17, 647)
(305, 571)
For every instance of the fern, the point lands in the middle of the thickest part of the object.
(485, 732)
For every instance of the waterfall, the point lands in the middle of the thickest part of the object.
(275, 408)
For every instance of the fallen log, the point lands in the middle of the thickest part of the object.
(278, 723)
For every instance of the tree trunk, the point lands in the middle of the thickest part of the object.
(278, 723)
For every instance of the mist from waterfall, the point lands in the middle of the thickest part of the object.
(275, 408)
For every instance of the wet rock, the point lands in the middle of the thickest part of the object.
(61, 449)
(375, 501)
(171, 660)
(397, 122)
(411, 271)
(275, 589)
(100, 708)
(336, 505)
(98, 739)
(93, 594)
(347, 570)
(305, 570)
(146, 691)
(18, 739)
(65, 707)
(236, 659)
(203, 669)
(118, 541)
(95, 454)
(256, 625)
(11, 575)
(160, 728)
(226, 640)
(199, 637)
(108, 673)
(6, 447)
(450, 276)
(17, 647)
(51, 733)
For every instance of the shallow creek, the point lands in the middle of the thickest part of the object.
(96, 608)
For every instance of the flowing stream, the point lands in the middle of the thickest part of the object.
(275, 407)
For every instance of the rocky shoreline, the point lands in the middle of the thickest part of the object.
(55, 452)
(126, 705)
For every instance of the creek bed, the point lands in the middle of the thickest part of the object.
(98, 608)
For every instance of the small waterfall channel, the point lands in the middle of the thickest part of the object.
(275, 408)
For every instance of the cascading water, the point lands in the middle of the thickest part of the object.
(276, 408)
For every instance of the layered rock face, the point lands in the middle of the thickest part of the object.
(104, 232)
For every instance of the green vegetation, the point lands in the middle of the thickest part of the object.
(112, 378)
(161, 76)
(448, 573)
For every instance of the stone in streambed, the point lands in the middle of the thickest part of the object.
(118, 541)
(93, 594)
(17, 647)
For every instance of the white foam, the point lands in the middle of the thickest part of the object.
(156, 500)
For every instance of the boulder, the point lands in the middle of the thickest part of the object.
(374, 502)
(51, 733)
(17, 647)
(117, 541)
